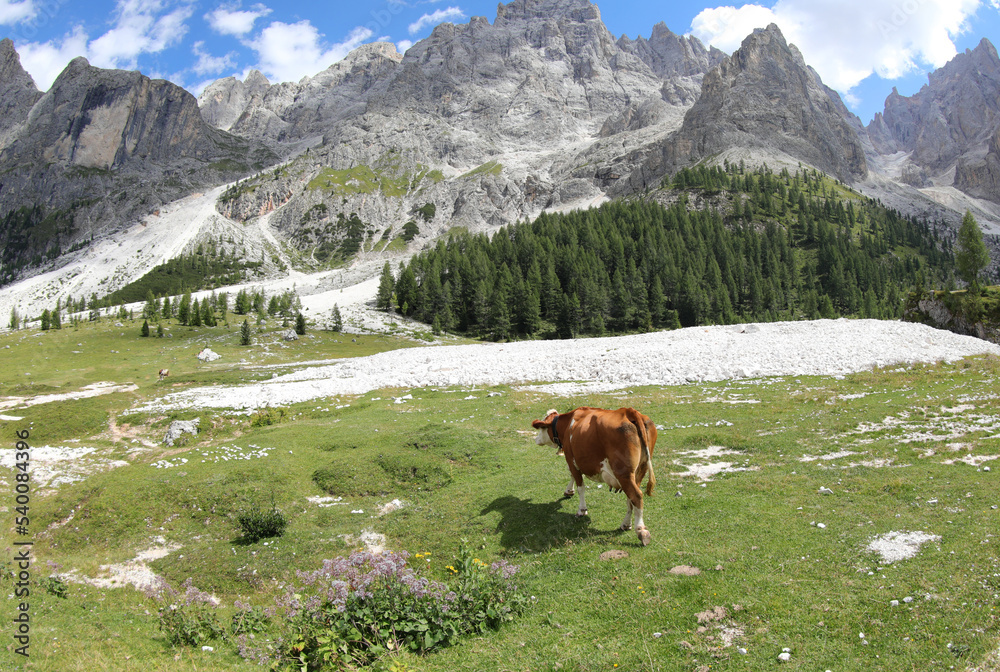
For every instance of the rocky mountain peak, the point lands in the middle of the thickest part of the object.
(951, 120)
(533, 10)
(765, 98)
(670, 55)
(18, 93)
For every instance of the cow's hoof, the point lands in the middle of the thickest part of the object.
(581, 514)
(645, 537)
(625, 527)
(568, 493)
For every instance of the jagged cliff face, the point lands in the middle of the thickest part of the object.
(100, 148)
(17, 92)
(765, 97)
(947, 126)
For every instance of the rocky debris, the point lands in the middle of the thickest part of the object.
(207, 355)
(896, 546)
(180, 427)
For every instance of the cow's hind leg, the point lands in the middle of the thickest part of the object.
(570, 488)
(627, 523)
(634, 508)
(581, 488)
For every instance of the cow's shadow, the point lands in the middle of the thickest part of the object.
(533, 527)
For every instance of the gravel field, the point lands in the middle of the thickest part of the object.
(821, 347)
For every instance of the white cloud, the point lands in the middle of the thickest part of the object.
(435, 18)
(403, 45)
(15, 12)
(290, 51)
(207, 64)
(139, 29)
(236, 22)
(848, 40)
(726, 27)
(45, 60)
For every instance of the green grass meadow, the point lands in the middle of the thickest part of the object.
(903, 449)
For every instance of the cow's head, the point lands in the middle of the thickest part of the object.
(544, 437)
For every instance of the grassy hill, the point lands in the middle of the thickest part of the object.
(782, 565)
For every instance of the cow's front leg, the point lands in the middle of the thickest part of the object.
(582, 511)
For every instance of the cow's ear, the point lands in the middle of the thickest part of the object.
(539, 424)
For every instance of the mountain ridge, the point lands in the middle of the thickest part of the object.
(543, 109)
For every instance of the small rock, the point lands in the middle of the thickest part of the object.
(932, 501)
(894, 603)
(290, 335)
(679, 494)
(657, 635)
(821, 526)
(207, 355)
(784, 656)
(986, 468)
(742, 650)
(825, 491)
(207, 648)
(178, 427)
(907, 599)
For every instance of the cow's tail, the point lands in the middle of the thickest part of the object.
(636, 419)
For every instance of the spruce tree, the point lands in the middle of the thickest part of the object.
(246, 336)
(300, 324)
(145, 328)
(971, 255)
(386, 283)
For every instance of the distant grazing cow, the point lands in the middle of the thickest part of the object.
(614, 447)
(164, 373)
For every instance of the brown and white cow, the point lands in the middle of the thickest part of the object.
(164, 373)
(613, 447)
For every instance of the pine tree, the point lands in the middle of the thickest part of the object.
(195, 319)
(246, 336)
(971, 255)
(15, 319)
(145, 328)
(336, 320)
(46, 320)
(300, 324)
(386, 283)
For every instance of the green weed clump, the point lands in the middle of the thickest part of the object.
(257, 524)
(190, 621)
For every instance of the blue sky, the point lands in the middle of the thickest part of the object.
(861, 48)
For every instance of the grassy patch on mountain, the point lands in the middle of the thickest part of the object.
(782, 564)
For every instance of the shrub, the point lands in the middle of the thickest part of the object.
(257, 524)
(189, 621)
(267, 417)
(354, 610)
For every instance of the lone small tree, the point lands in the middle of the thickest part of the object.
(336, 320)
(246, 336)
(971, 255)
(300, 324)
(145, 328)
